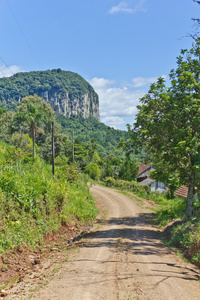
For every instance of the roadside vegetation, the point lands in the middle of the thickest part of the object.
(32, 203)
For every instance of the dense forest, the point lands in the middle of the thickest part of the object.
(94, 142)
(106, 138)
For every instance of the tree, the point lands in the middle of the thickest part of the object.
(110, 166)
(33, 111)
(23, 141)
(80, 154)
(128, 170)
(95, 158)
(93, 171)
(6, 119)
(195, 35)
(60, 144)
(163, 172)
(168, 121)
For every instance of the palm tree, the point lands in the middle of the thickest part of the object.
(33, 111)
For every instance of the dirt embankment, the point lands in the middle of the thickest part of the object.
(122, 258)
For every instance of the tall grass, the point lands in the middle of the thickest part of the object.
(32, 203)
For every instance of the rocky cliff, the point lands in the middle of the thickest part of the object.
(67, 92)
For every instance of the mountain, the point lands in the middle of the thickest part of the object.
(74, 100)
(67, 92)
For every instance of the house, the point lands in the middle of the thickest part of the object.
(143, 172)
(144, 179)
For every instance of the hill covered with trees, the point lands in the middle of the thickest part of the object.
(90, 130)
(76, 107)
(67, 92)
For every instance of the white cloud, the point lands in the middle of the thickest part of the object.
(131, 6)
(142, 81)
(121, 7)
(116, 103)
(100, 83)
(139, 6)
(113, 121)
(9, 71)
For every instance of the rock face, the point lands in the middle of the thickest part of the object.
(67, 92)
(84, 106)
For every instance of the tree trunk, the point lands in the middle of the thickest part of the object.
(73, 145)
(190, 196)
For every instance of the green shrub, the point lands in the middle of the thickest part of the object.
(109, 181)
(127, 185)
(93, 171)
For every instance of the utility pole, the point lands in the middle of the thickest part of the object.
(53, 151)
(73, 144)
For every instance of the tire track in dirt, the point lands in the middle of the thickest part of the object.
(122, 259)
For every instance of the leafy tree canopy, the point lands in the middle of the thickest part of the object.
(168, 121)
(33, 111)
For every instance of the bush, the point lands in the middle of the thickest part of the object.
(109, 181)
(93, 171)
(128, 185)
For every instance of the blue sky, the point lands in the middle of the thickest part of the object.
(120, 47)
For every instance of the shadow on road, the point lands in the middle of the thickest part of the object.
(133, 235)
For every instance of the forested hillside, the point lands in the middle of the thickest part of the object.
(67, 92)
(72, 98)
(90, 130)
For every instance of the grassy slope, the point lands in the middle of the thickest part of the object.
(32, 203)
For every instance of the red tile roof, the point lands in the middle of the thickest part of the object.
(143, 168)
(182, 191)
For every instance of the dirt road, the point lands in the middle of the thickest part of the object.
(123, 259)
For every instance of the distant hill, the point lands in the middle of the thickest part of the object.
(86, 130)
(67, 92)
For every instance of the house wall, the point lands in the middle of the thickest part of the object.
(145, 173)
(158, 187)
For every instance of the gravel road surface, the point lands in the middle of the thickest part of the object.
(123, 259)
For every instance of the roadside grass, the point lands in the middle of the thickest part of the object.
(168, 210)
(126, 193)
